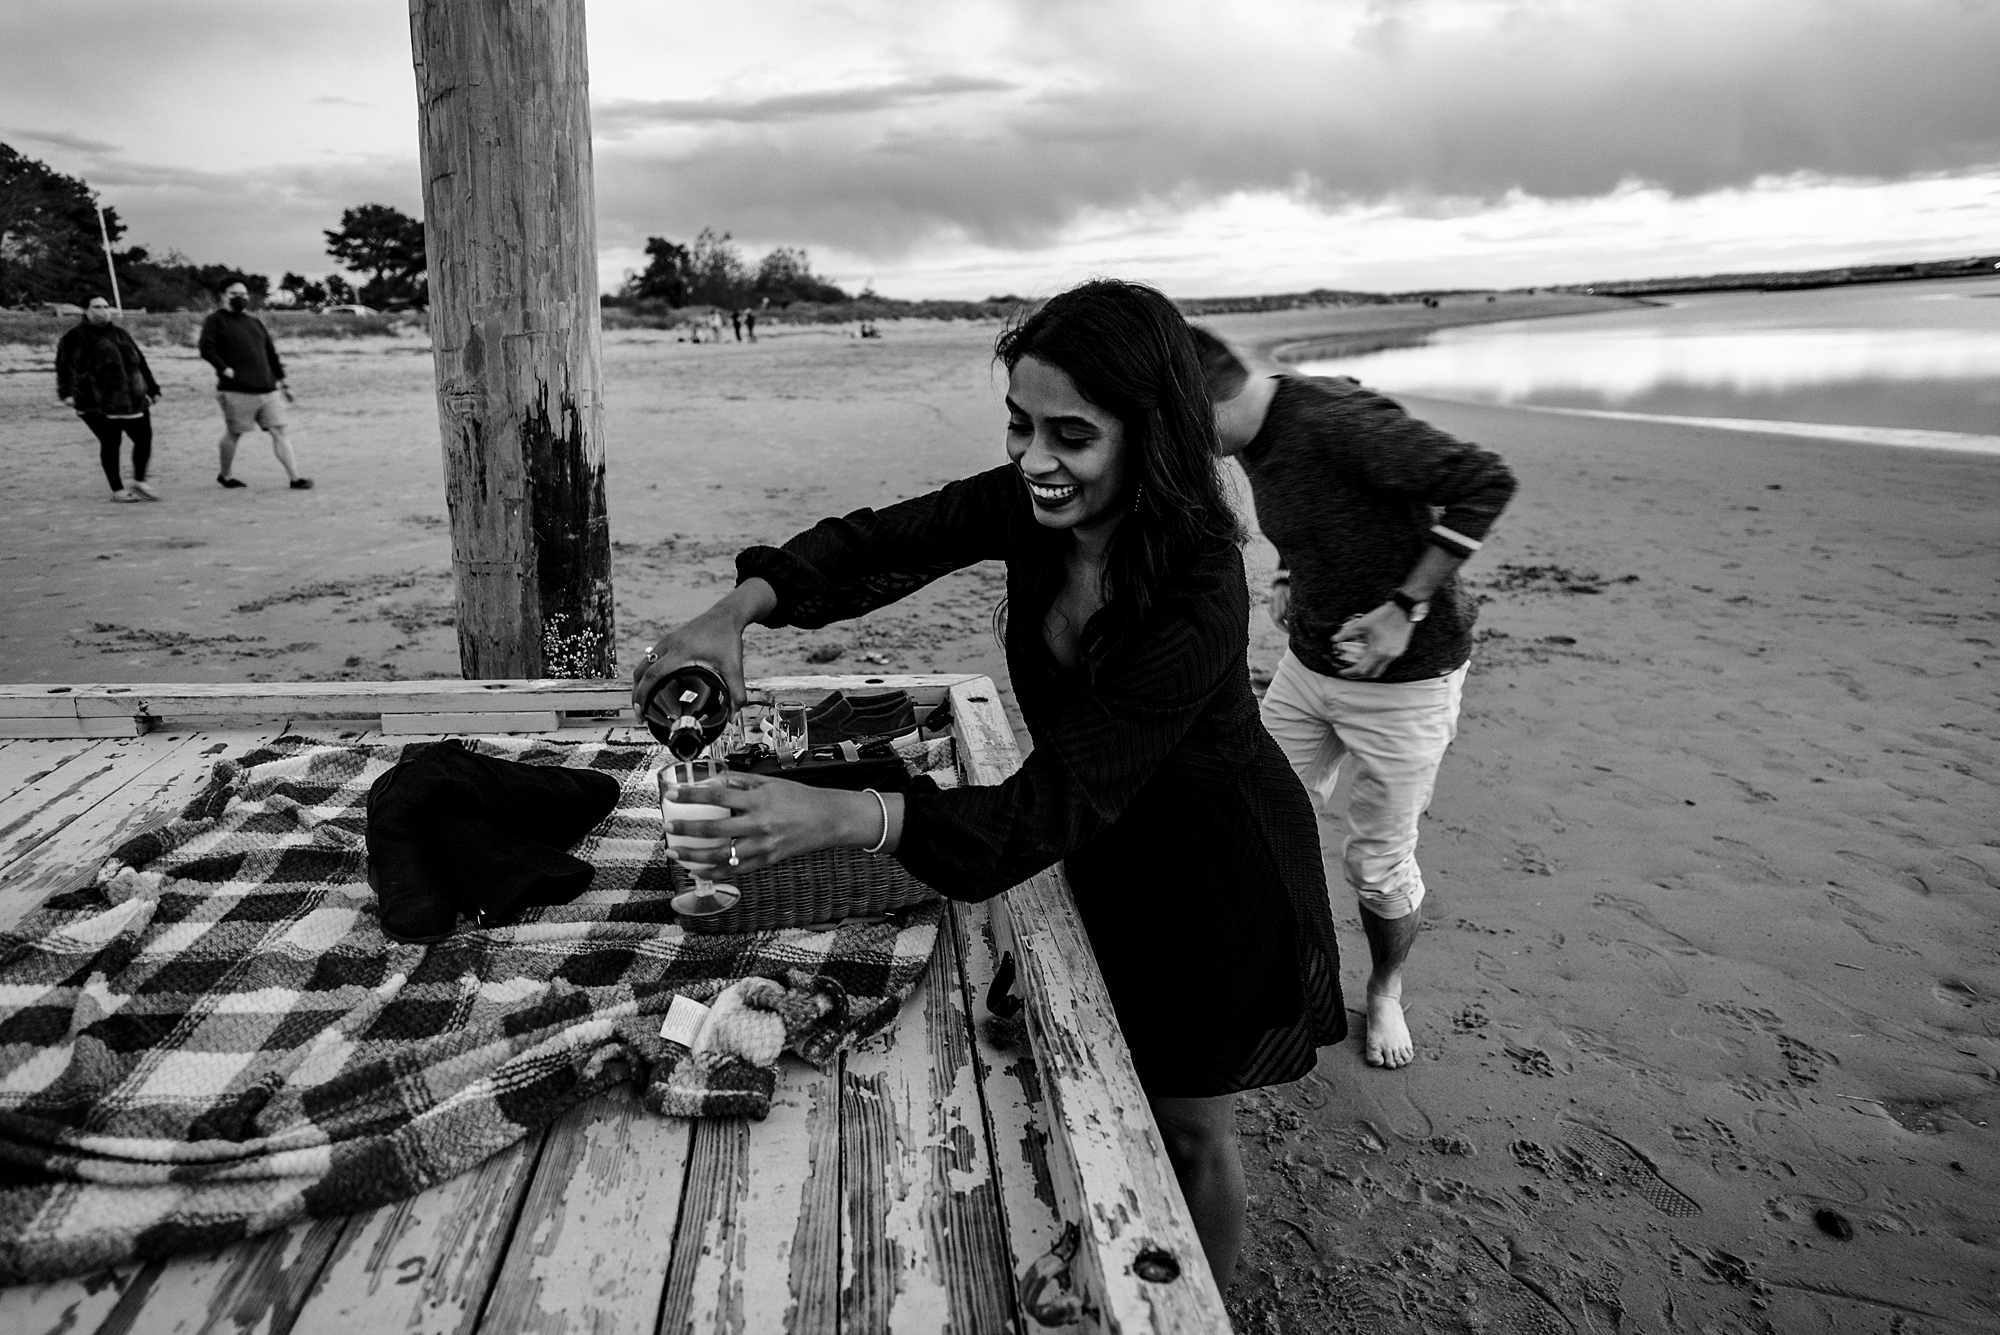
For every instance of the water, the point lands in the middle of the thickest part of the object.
(1889, 364)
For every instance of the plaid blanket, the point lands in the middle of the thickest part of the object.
(211, 1036)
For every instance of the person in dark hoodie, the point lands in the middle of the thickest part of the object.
(102, 375)
(249, 383)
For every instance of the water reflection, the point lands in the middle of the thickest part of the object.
(1617, 366)
(1923, 356)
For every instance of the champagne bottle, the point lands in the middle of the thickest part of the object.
(688, 708)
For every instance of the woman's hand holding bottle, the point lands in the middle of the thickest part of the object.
(714, 638)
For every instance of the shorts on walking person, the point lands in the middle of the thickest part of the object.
(243, 413)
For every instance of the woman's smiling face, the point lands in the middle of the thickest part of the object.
(1070, 451)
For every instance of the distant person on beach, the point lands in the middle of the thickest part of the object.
(249, 383)
(714, 325)
(736, 323)
(102, 375)
(1185, 835)
(750, 324)
(1372, 512)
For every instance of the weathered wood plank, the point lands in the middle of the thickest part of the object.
(590, 1251)
(124, 725)
(157, 789)
(925, 1247)
(39, 810)
(77, 1306)
(347, 697)
(21, 763)
(1011, 1094)
(1108, 1166)
(402, 725)
(424, 1264)
(40, 700)
(757, 1247)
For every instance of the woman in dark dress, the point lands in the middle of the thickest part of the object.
(1186, 838)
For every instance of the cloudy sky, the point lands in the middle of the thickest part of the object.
(967, 147)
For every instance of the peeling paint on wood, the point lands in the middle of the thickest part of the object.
(590, 1250)
(1106, 1160)
(425, 1263)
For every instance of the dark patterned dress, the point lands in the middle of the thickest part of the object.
(1189, 845)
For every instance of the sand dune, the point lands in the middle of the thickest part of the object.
(1707, 996)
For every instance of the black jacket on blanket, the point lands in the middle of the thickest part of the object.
(451, 830)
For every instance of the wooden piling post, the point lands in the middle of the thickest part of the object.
(503, 97)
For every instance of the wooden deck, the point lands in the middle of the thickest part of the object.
(958, 1172)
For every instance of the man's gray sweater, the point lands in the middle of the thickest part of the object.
(1350, 489)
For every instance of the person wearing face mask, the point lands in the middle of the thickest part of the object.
(249, 383)
(1186, 838)
(102, 375)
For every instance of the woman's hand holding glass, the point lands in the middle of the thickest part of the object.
(771, 820)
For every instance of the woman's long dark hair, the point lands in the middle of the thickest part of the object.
(1128, 351)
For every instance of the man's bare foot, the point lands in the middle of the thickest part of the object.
(1388, 1044)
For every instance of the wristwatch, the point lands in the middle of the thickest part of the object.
(1414, 609)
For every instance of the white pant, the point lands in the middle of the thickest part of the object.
(1397, 733)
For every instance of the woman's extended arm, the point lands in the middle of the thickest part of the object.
(974, 842)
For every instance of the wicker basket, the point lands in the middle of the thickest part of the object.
(822, 887)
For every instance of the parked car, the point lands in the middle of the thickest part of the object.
(348, 310)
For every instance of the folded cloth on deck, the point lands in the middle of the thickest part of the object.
(212, 1036)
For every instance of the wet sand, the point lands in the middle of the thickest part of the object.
(1706, 996)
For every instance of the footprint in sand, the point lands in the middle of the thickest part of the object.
(1620, 1162)
(1531, 1061)
(1604, 1047)
(1657, 968)
(1908, 880)
(1753, 1018)
(1501, 1299)
(1747, 860)
(1803, 1060)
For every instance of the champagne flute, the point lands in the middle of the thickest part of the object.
(707, 896)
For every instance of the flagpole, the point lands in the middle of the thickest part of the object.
(105, 234)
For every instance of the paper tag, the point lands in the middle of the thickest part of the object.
(683, 1021)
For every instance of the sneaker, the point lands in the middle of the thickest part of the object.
(228, 481)
(302, 484)
(144, 492)
(125, 496)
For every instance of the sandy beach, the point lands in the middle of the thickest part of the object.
(1706, 999)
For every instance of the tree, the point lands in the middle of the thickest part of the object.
(785, 275)
(718, 274)
(171, 283)
(50, 249)
(387, 243)
(668, 276)
(304, 290)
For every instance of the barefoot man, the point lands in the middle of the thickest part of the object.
(1372, 511)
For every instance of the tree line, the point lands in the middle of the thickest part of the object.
(713, 272)
(51, 250)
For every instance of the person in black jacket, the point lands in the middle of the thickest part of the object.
(1187, 840)
(249, 384)
(102, 375)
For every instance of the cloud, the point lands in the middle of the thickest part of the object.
(623, 116)
(1162, 104)
(62, 140)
